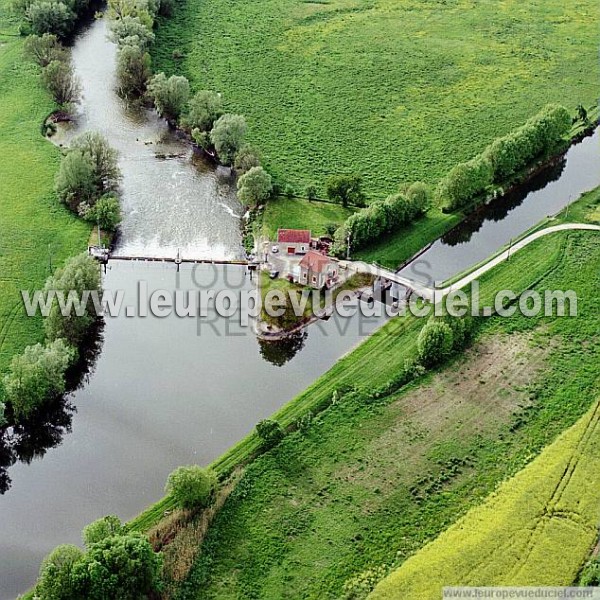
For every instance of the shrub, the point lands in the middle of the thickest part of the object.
(435, 343)
(130, 31)
(122, 567)
(60, 81)
(56, 574)
(192, 487)
(37, 376)
(133, 70)
(311, 192)
(270, 433)
(345, 190)
(246, 158)
(464, 182)
(101, 529)
(45, 49)
(51, 17)
(227, 136)
(254, 186)
(204, 109)
(106, 213)
(79, 275)
(75, 180)
(169, 95)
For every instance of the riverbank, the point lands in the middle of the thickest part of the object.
(36, 233)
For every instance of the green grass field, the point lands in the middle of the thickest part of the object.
(537, 529)
(397, 90)
(34, 228)
(329, 511)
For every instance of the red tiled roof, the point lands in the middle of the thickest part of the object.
(315, 261)
(293, 236)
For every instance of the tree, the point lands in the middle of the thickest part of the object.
(106, 212)
(45, 49)
(270, 433)
(204, 108)
(227, 136)
(169, 95)
(420, 197)
(37, 376)
(254, 186)
(345, 190)
(75, 181)
(101, 529)
(133, 70)
(79, 276)
(464, 182)
(122, 567)
(130, 31)
(140, 9)
(103, 158)
(56, 574)
(60, 81)
(51, 17)
(246, 158)
(192, 486)
(435, 342)
(311, 192)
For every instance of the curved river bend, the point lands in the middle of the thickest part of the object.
(173, 391)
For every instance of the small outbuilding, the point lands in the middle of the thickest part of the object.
(318, 270)
(293, 241)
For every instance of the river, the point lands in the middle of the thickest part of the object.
(172, 391)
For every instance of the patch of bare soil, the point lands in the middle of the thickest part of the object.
(432, 426)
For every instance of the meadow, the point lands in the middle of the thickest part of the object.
(363, 485)
(396, 91)
(36, 233)
(519, 535)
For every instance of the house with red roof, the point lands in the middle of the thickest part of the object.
(293, 241)
(318, 270)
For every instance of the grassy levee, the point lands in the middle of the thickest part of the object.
(387, 349)
(34, 228)
(536, 529)
(397, 91)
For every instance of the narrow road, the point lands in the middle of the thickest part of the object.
(427, 292)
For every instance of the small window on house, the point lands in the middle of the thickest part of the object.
(314, 279)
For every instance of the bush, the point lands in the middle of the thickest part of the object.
(192, 487)
(56, 574)
(345, 190)
(169, 95)
(122, 567)
(204, 109)
(254, 186)
(60, 81)
(227, 136)
(75, 180)
(133, 70)
(435, 343)
(106, 212)
(464, 182)
(310, 192)
(130, 31)
(37, 376)
(246, 158)
(101, 529)
(45, 49)
(51, 17)
(79, 275)
(270, 433)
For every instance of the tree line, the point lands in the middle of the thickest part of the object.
(503, 158)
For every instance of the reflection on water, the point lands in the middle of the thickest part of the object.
(171, 198)
(278, 352)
